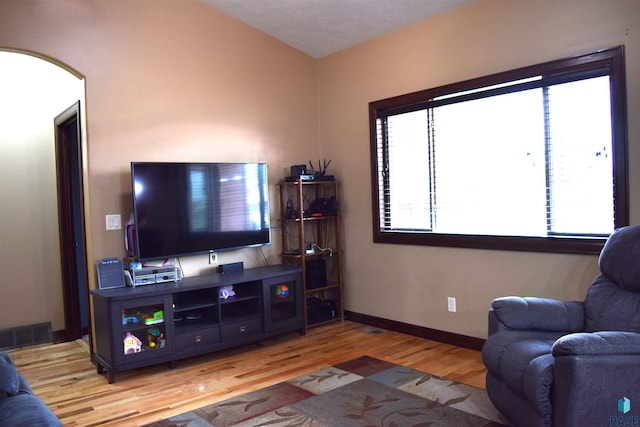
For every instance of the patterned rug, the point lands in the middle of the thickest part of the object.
(361, 392)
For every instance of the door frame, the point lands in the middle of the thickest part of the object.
(71, 220)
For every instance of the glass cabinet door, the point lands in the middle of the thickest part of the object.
(284, 301)
(143, 329)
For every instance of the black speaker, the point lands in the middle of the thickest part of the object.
(316, 273)
(319, 310)
(231, 267)
(297, 170)
(290, 212)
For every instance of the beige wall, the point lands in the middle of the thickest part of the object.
(175, 80)
(33, 92)
(411, 283)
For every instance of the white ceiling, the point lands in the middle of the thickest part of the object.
(323, 27)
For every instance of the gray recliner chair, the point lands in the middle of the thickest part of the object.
(556, 363)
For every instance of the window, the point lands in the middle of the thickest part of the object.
(529, 159)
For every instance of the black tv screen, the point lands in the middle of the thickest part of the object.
(191, 208)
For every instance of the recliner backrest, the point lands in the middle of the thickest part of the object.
(620, 258)
(613, 300)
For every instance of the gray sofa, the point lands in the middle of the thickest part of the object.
(557, 363)
(19, 407)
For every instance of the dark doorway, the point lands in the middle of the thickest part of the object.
(73, 255)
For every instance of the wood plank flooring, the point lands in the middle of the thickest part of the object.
(63, 376)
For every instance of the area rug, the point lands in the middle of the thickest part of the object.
(362, 392)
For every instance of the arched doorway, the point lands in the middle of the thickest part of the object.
(33, 257)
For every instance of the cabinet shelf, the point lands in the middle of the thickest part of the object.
(317, 254)
(196, 299)
(192, 307)
(323, 288)
(138, 327)
(236, 299)
(310, 219)
(188, 326)
(246, 308)
(239, 316)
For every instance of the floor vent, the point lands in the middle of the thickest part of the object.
(22, 336)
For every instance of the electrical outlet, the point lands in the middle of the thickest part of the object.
(213, 257)
(451, 304)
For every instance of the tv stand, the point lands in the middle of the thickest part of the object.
(166, 322)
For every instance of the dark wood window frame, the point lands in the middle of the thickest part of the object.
(611, 58)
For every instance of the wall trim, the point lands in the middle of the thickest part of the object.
(417, 331)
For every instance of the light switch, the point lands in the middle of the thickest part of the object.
(114, 222)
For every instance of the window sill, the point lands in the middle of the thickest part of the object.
(569, 245)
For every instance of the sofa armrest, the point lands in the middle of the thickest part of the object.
(9, 378)
(605, 343)
(541, 314)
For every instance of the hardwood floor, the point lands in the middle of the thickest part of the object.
(63, 376)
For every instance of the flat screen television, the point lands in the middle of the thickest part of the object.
(190, 208)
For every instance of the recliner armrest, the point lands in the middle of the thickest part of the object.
(597, 344)
(543, 314)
